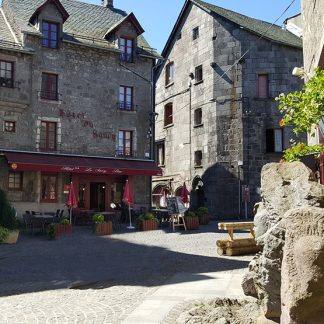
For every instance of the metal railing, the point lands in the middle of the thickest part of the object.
(123, 105)
(49, 95)
(126, 57)
(121, 152)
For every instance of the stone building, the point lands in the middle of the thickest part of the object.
(75, 104)
(218, 122)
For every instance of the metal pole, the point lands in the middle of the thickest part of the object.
(239, 192)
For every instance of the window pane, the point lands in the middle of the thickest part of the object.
(263, 86)
(48, 192)
(278, 140)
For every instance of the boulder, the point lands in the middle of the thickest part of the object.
(302, 288)
(284, 186)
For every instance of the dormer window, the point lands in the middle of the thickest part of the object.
(50, 33)
(126, 46)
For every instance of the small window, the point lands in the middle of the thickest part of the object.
(125, 143)
(49, 87)
(195, 33)
(127, 48)
(168, 114)
(50, 33)
(198, 158)
(169, 74)
(6, 74)
(263, 86)
(15, 180)
(48, 136)
(199, 73)
(10, 126)
(49, 188)
(274, 140)
(198, 117)
(160, 153)
(125, 98)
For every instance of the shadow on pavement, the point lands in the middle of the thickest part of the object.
(85, 261)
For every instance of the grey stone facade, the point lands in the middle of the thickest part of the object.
(89, 72)
(234, 119)
(313, 34)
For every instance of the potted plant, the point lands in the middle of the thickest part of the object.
(100, 226)
(8, 221)
(203, 215)
(148, 222)
(192, 220)
(63, 228)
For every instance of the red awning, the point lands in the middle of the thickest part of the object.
(25, 161)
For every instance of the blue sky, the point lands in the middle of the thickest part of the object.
(158, 16)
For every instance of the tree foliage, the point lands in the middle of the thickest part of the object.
(302, 110)
(305, 108)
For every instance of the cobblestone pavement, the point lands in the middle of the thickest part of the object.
(88, 279)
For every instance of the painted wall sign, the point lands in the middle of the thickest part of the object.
(86, 123)
(107, 135)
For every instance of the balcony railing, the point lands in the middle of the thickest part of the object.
(49, 95)
(7, 83)
(126, 57)
(121, 152)
(123, 105)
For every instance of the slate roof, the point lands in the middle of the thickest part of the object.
(275, 33)
(5, 33)
(86, 21)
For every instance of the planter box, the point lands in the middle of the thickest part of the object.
(103, 229)
(192, 223)
(61, 230)
(12, 237)
(149, 225)
(204, 220)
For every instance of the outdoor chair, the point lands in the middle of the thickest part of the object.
(27, 217)
(56, 218)
(116, 220)
(37, 224)
(61, 214)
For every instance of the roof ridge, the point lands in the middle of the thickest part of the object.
(113, 9)
(235, 12)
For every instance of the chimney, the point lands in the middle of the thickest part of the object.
(108, 3)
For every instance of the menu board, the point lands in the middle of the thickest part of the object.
(175, 205)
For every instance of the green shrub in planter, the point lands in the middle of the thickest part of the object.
(147, 222)
(65, 221)
(147, 216)
(192, 220)
(190, 214)
(203, 215)
(4, 233)
(7, 213)
(98, 219)
(51, 232)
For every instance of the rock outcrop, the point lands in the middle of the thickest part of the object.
(302, 283)
(284, 186)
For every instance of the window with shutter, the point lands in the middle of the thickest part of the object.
(263, 86)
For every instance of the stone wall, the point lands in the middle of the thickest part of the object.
(313, 34)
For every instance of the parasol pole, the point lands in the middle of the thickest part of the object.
(71, 215)
(130, 218)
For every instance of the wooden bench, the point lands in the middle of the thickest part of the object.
(237, 246)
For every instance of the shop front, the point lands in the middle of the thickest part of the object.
(40, 181)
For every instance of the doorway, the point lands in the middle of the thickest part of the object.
(98, 196)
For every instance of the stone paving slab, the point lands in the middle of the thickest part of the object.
(185, 287)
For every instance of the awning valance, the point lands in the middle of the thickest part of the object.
(30, 161)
